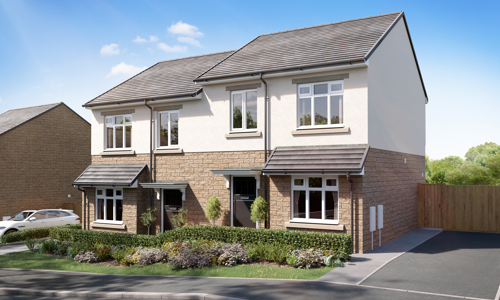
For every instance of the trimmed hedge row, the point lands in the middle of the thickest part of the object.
(242, 235)
(35, 233)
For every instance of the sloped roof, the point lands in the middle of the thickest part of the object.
(166, 79)
(334, 43)
(110, 175)
(317, 159)
(16, 117)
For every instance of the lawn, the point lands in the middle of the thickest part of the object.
(29, 260)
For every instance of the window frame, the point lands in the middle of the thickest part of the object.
(305, 187)
(158, 138)
(106, 126)
(115, 197)
(244, 110)
(312, 97)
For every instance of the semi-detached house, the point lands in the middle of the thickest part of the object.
(324, 122)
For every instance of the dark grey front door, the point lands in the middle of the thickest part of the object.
(172, 202)
(244, 189)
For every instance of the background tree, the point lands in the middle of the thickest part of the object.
(439, 168)
(469, 174)
(258, 211)
(213, 209)
(148, 218)
(479, 154)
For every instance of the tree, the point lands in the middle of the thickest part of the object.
(439, 168)
(428, 171)
(493, 164)
(469, 174)
(213, 209)
(180, 219)
(258, 211)
(148, 218)
(479, 154)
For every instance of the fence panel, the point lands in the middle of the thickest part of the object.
(459, 207)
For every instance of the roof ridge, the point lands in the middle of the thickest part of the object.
(53, 104)
(338, 22)
(181, 58)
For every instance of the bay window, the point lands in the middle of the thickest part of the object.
(118, 132)
(244, 110)
(109, 205)
(168, 129)
(320, 104)
(315, 199)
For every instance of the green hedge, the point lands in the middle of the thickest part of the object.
(35, 233)
(245, 236)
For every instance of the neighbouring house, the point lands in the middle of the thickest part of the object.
(42, 149)
(305, 118)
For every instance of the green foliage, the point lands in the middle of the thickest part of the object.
(119, 254)
(469, 174)
(439, 168)
(31, 243)
(148, 218)
(213, 210)
(103, 251)
(242, 235)
(35, 233)
(428, 171)
(49, 246)
(493, 164)
(258, 210)
(180, 219)
(479, 154)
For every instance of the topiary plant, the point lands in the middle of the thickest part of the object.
(213, 209)
(258, 211)
(148, 218)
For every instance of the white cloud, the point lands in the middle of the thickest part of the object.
(138, 39)
(175, 48)
(110, 49)
(123, 68)
(189, 40)
(152, 38)
(181, 28)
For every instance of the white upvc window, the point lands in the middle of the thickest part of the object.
(244, 110)
(168, 129)
(109, 205)
(315, 199)
(118, 134)
(320, 104)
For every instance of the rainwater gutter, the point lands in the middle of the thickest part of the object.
(352, 213)
(265, 147)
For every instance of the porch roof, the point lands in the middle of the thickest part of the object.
(317, 159)
(110, 175)
(167, 184)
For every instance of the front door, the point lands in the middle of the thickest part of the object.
(244, 193)
(172, 202)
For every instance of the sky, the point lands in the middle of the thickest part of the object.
(73, 51)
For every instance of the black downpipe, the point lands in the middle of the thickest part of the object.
(352, 214)
(265, 149)
(84, 206)
(150, 151)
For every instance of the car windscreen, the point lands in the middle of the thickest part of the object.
(21, 216)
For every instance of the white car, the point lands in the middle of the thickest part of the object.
(38, 218)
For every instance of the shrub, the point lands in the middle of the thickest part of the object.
(213, 209)
(181, 256)
(119, 254)
(49, 246)
(87, 257)
(148, 256)
(332, 258)
(233, 254)
(180, 219)
(62, 247)
(35, 233)
(102, 251)
(148, 218)
(31, 243)
(309, 258)
(258, 211)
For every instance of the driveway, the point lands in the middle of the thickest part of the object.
(465, 264)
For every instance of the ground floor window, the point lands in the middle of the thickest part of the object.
(315, 199)
(109, 205)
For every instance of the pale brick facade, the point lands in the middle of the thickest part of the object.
(40, 159)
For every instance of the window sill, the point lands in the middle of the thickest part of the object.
(117, 152)
(243, 134)
(333, 227)
(320, 131)
(169, 151)
(108, 225)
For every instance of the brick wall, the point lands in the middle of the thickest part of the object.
(40, 159)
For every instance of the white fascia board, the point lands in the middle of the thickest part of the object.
(150, 102)
(281, 74)
(317, 174)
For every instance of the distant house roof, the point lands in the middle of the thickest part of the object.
(317, 159)
(110, 175)
(166, 79)
(330, 44)
(16, 117)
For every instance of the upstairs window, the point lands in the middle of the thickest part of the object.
(244, 110)
(320, 104)
(168, 131)
(119, 132)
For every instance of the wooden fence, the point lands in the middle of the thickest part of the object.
(459, 207)
(75, 207)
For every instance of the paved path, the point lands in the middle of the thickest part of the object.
(363, 265)
(13, 247)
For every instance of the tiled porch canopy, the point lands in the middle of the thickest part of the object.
(120, 175)
(317, 159)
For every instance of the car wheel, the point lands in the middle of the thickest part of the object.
(10, 231)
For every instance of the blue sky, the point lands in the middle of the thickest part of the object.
(72, 51)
